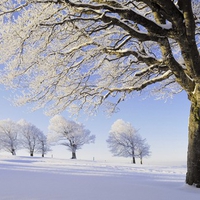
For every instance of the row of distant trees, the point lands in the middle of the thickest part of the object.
(123, 139)
(22, 135)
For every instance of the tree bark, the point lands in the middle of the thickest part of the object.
(193, 154)
(73, 155)
(73, 148)
(13, 152)
(133, 160)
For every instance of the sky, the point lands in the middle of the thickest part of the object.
(163, 123)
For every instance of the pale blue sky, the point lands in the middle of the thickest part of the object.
(163, 124)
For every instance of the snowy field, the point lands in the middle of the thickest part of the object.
(25, 178)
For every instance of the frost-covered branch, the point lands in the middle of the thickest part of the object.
(82, 54)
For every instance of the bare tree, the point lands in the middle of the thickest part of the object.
(69, 133)
(31, 137)
(85, 53)
(43, 146)
(125, 141)
(143, 150)
(9, 136)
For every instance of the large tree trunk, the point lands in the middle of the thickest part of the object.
(193, 156)
(73, 155)
(13, 152)
(73, 148)
(133, 159)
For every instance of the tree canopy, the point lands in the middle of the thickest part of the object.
(32, 138)
(124, 140)
(69, 133)
(63, 53)
(9, 136)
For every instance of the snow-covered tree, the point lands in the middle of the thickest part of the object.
(69, 133)
(79, 54)
(9, 136)
(125, 141)
(143, 150)
(43, 147)
(32, 138)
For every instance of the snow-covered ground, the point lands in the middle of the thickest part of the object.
(26, 178)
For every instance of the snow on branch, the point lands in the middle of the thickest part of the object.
(82, 54)
(141, 86)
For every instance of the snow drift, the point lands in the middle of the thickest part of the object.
(30, 178)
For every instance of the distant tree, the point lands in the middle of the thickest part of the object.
(32, 138)
(43, 146)
(143, 150)
(125, 141)
(69, 133)
(9, 136)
